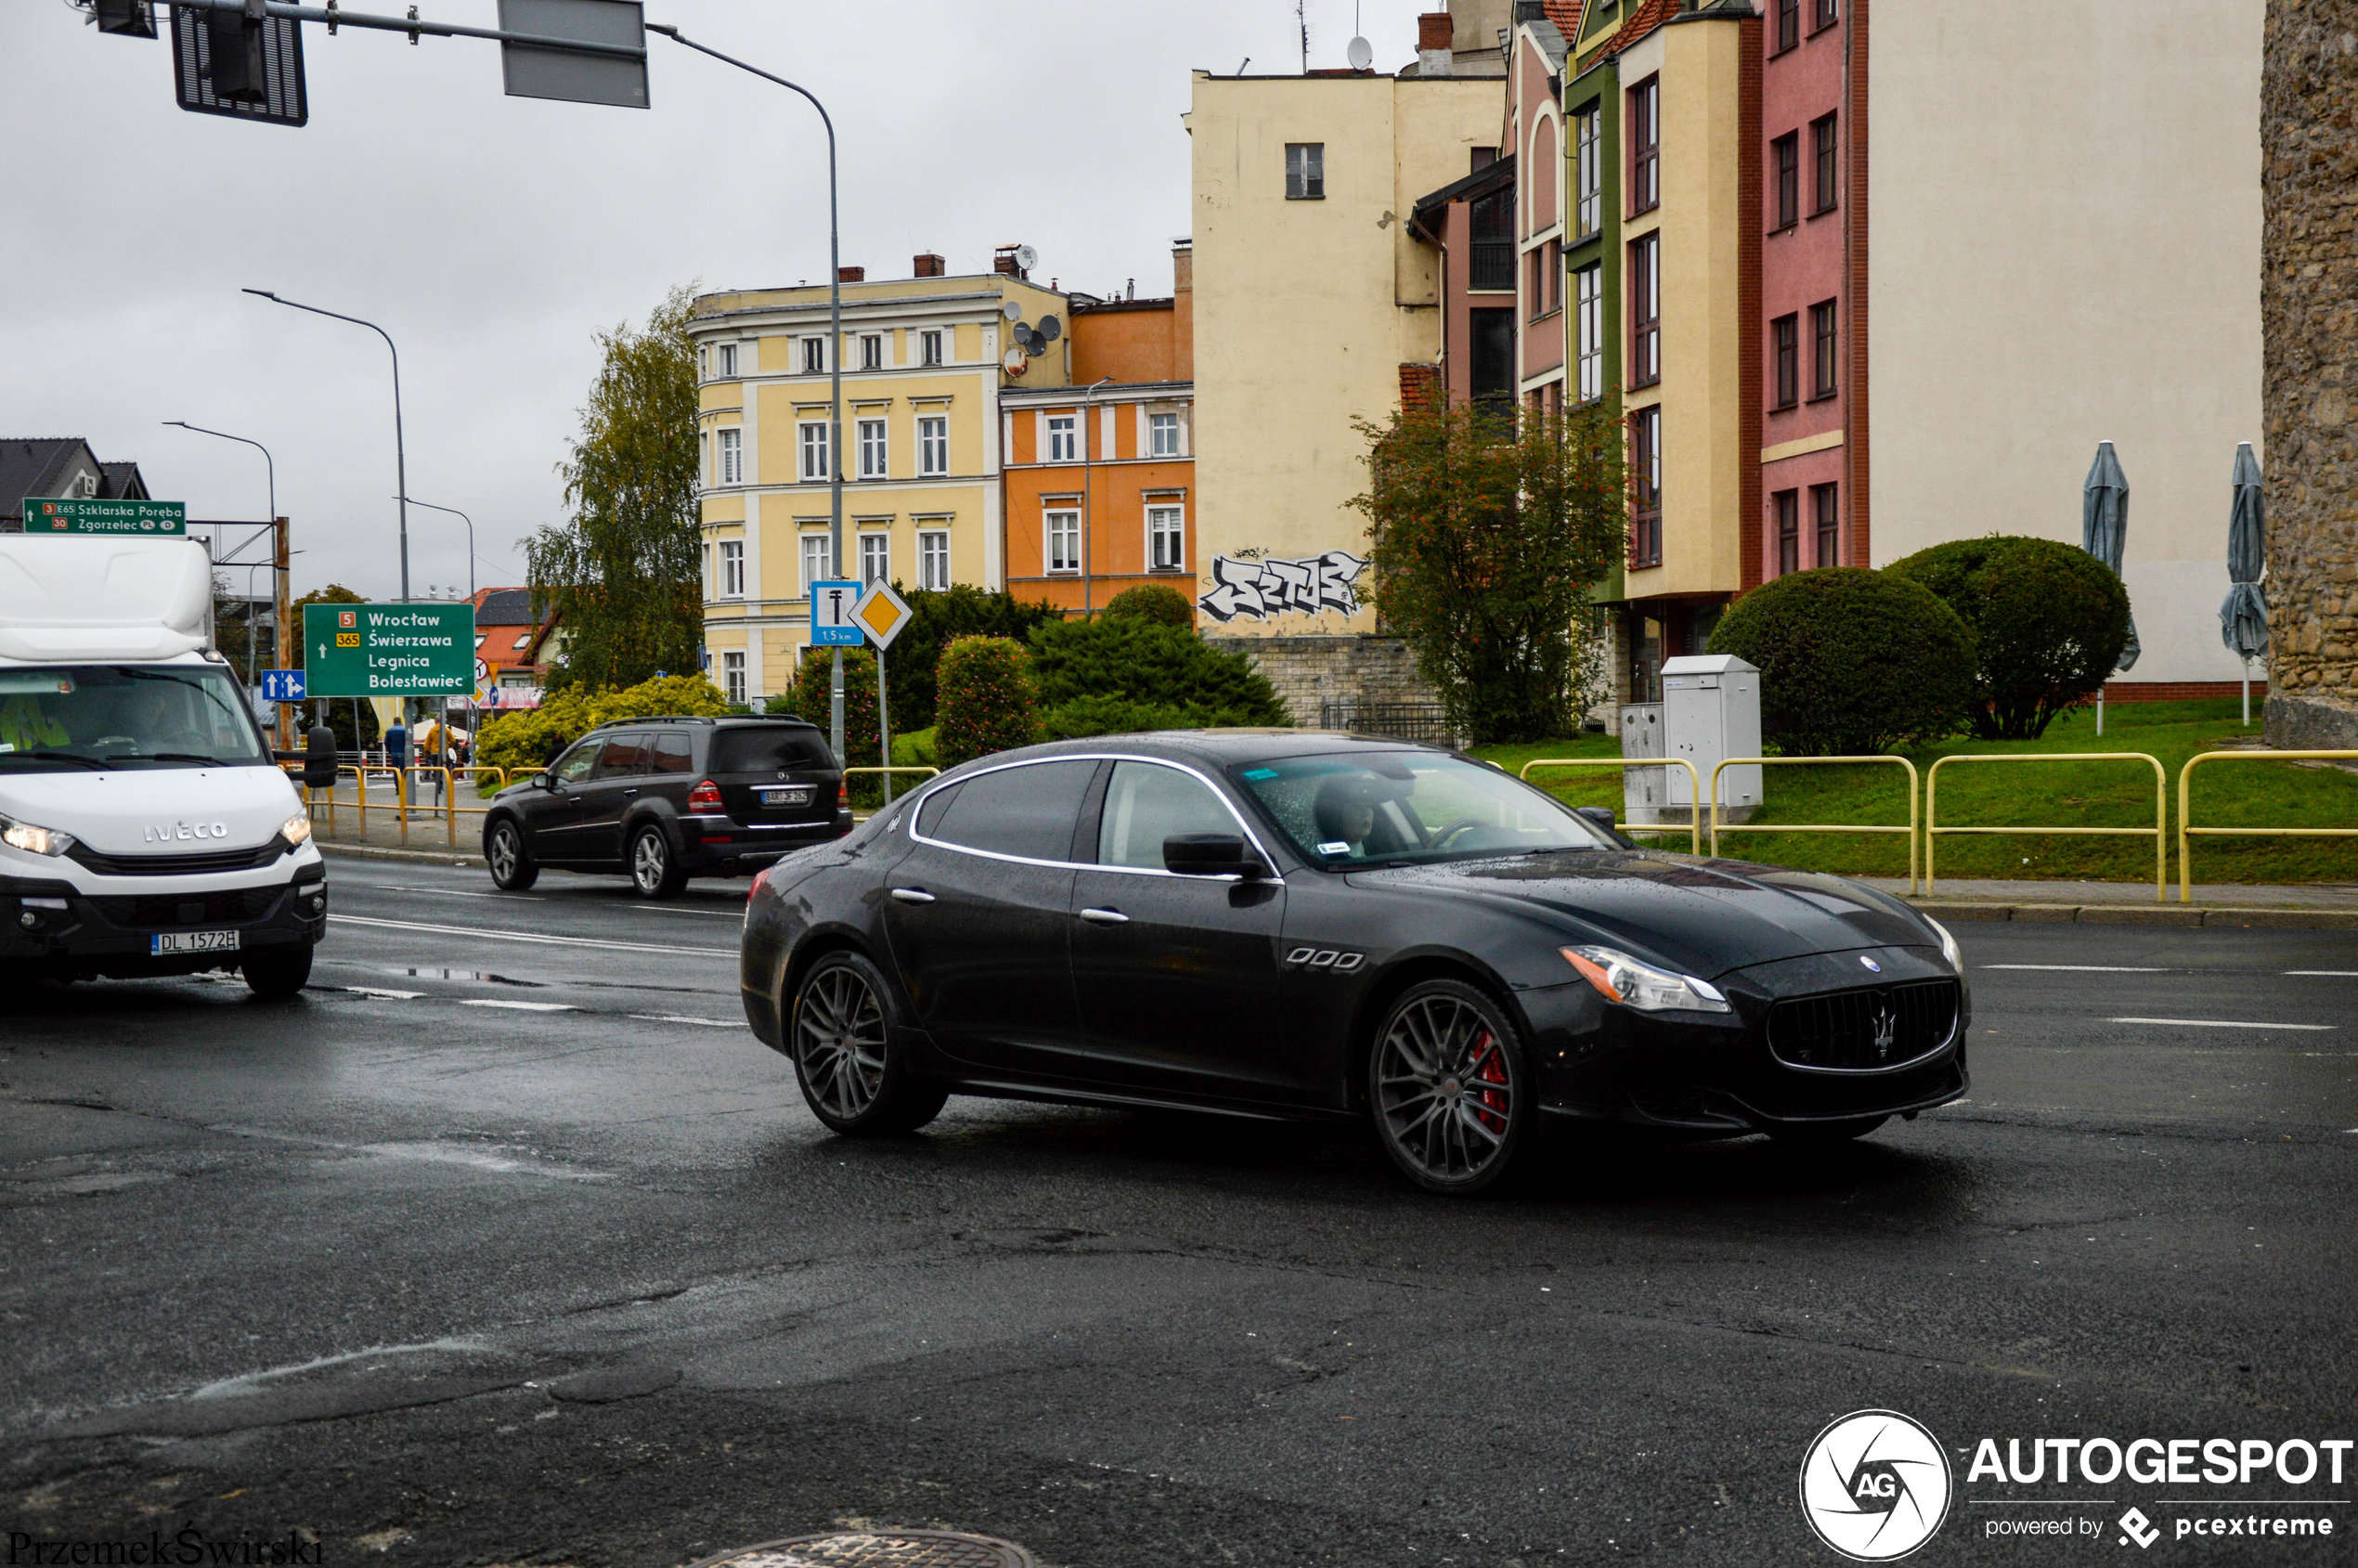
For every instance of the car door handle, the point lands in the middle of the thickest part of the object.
(912, 896)
(1105, 917)
(628, 793)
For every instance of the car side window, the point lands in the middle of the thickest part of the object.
(624, 756)
(1030, 809)
(1145, 805)
(575, 765)
(668, 752)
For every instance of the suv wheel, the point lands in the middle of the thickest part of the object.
(503, 851)
(655, 871)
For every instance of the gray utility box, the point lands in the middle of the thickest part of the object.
(1641, 796)
(1710, 712)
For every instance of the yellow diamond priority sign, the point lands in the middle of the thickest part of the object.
(880, 615)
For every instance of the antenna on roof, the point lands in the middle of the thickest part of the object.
(1301, 20)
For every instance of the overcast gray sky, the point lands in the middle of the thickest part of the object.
(491, 236)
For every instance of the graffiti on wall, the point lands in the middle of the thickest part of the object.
(1266, 587)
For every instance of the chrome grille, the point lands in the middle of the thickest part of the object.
(1864, 1031)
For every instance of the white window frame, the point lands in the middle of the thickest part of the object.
(810, 440)
(929, 344)
(933, 559)
(815, 563)
(1157, 426)
(1063, 438)
(933, 446)
(1060, 525)
(732, 455)
(1589, 171)
(1166, 521)
(1590, 309)
(814, 356)
(728, 361)
(876, 558)
(732, 676)
(1305, 171)
(733, 568)
(875, 449)
(704, 361)
(872, 351)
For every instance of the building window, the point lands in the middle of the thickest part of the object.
(1645, 311)
(1490, 224)
(933, 446)
(876, 558)
(1788, 25)
(1589, 291)
(704, 362)
(733, 677)
(814, 356)
(1064, 541)
(733, 457)
(1588, 171)
(871, 353)
(1061, 438)
(933, 560)
(733, 569)
(814, 562)
(1828, 12)
(930, 344)
(815, 449)
(728, 361)
(1163, 435)
(1821, 144)
(1829, 521)
(1645, 146)
(1166, 533)
(1784, 343)
(1645, 486)
(872, 448)
(1493, 375)
(1537, 290)
(1822, 334)
(1785, 155)
(1305, 171)
(1788, 532)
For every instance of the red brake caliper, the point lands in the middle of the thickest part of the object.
(1490, 1069)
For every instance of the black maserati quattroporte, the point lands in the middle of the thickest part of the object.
(1298, 924)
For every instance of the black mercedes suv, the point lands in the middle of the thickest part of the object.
(664, 800)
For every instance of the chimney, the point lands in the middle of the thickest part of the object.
(931, 266)
(1433, 58)
(1183, 310)
(851, 274)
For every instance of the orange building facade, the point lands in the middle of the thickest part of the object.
(1099, 477)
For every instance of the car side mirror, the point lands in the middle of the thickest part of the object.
(1599, 815)
(1212, 854)
(542, 780)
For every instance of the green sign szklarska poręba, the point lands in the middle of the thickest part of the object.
(389, 650)
(135, 519)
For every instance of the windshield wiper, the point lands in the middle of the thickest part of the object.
(184, 757)
(98, 763)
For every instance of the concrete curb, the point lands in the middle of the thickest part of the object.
(413, 857)
(2279, 918)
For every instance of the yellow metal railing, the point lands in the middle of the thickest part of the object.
(2159, 832)
(1694, 820)
(2187, 831)
(1717, 827)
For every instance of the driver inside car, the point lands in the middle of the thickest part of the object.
(1349, 811)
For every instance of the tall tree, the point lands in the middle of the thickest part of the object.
(621, 573)
(1487, 532)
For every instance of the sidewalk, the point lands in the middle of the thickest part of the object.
(431, 834)
(2312, 906)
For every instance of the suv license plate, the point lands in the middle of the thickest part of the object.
(164, 942)
(786, 798)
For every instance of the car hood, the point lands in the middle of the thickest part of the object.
(1699, 916)
(155, 810)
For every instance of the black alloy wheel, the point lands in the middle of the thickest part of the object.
(855, 1078)
(503, 851)
(1826, 1134)
(276, 973)
(655, 871)
(1449, 1088)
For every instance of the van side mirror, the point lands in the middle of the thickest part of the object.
(1212, 854)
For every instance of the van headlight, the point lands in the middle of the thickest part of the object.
(1949, 948)
(296, 830)
(1619, 978)
(36, 840)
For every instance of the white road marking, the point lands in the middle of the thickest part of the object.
(2330, 974)
(452, 893)
(383, 994)
(519, 1006)
(707, 914)
(2219, 1023)
(2082, 968)
(684, 1018)
(523, 936)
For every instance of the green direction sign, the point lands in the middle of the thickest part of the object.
(136, 518)
(389, 650)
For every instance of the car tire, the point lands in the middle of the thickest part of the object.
(843, 1034)
(274, 974)
(655, 870)
(1450, 1088)
(1826, 1134)
(511, 867)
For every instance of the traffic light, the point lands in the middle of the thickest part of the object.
(135, 19)
(246, 63)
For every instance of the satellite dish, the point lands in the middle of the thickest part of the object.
(1012, 310)
(1036, 343)
(1013, 362)
(1051, 328)
(1360, 56)
(1025, 257)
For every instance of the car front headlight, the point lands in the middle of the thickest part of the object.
(37, 840)
(1619, 978)
(1948, 949)
(296, 830)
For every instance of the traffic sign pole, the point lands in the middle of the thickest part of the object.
(880, 615)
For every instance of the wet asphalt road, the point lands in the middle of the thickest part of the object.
(507, 1243)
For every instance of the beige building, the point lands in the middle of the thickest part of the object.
(1309, 295)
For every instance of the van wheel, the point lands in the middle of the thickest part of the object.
(275, 973)
(654, 869)
(503, 851)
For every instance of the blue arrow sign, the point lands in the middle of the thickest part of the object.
(283, 685)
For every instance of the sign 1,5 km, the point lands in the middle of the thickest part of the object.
(388, 650)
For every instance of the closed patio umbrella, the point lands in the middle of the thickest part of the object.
(2243, 618)
(2103, 533)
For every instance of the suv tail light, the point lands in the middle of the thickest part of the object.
(706, 796)
(843, 795)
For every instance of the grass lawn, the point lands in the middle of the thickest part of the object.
(2044, 794)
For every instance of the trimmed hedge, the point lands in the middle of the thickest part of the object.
(987, 701)
(1113, 675)
(1851, 661)
(809, 698)
(2049, 620)
(1152, 601)
(935, 619)
(525, 741)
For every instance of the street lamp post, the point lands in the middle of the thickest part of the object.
(835, 361)
(270, 470)
(471, 539)
(1088, 434)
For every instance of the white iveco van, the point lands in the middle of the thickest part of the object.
(144, 827)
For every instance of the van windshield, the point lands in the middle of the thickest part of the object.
(105, 716)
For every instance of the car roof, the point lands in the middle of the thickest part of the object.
(1220, 748)
(730, 721)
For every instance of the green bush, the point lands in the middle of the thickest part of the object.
(808, 698)
(1152, 601)
(1108, 675)
(936, 618)
(2049, 622)
(988, 702)
(521, 742)
(1850, 661)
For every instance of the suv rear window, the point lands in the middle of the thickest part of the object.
(769, 748)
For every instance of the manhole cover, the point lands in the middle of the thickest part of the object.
(884, 1549)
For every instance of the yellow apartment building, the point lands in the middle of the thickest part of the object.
(925, 359)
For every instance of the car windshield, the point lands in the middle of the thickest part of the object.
(107, 716)
(1359, 809)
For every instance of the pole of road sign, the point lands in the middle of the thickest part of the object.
(884, 727)
(835, 360)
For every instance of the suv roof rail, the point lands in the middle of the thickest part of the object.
(704, 718)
